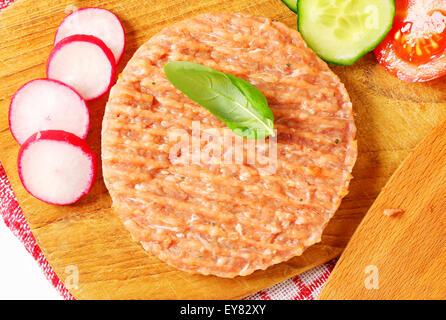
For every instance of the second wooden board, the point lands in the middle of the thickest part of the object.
(401, 256)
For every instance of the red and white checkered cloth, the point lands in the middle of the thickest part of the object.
(305, 286)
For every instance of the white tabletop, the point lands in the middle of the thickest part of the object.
(20, 275)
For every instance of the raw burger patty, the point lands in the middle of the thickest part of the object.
(228, 219)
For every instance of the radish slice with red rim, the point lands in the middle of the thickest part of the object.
(83, 62)
(97, 22)
(45, 104)
(57, 167)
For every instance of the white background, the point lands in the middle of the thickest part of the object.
(20, 275)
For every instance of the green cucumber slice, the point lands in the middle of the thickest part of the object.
(342, 31)
(292, 4)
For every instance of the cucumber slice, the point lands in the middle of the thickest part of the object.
(292, 4)
(342, 31)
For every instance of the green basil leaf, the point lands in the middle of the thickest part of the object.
(234, 101)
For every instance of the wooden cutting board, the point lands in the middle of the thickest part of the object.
(402, 256)
(391, 116)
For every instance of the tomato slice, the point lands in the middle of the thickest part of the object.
(415, 48)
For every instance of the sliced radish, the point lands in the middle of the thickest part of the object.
(57, 167)
(84, 63)
(97, 22)
(45, 104)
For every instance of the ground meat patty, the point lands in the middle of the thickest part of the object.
(218, 218)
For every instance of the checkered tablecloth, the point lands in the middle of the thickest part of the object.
(305, 286)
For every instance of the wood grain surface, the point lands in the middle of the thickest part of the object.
(401, 256)
(391, 117)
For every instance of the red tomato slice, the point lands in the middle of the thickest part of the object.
(414, 49)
